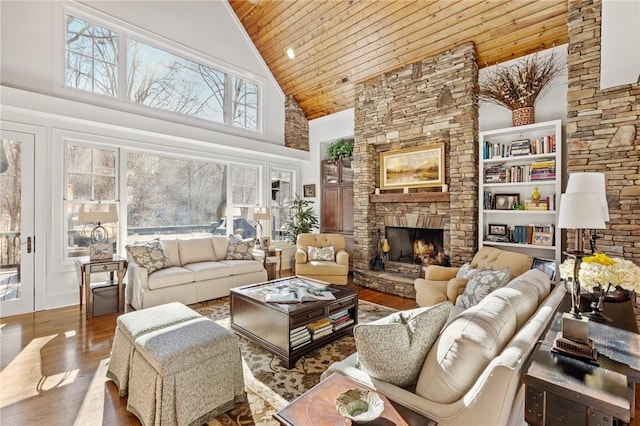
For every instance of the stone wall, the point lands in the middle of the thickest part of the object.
(602, 133)
(296, 125)
(428, 102)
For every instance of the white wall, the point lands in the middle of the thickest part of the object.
(32, 43)
(32, 102)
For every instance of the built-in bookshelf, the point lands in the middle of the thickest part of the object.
(515, 163)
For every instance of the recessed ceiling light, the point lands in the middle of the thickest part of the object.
(290, 53)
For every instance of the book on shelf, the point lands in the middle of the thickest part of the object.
(299, 339)
(300, 344)
(316, 336)
(343, 324)
(321, 330)
(299, 295)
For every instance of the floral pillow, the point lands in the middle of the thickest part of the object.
(321, 253)
(150, 255)
(466, 271)
(481, 283)
(239, 249)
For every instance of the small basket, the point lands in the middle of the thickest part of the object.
(522, 116)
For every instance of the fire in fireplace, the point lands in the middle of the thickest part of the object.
(416, 245)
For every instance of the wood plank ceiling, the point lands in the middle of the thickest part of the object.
(340, 42)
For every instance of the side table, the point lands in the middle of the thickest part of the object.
(273, 253)
(85, 267)
(317, 407)
(565, 391)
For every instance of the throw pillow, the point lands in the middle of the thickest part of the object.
(466, 271)
(239, 249)
(321, 253)
(393, 348)
(482, 283)
(150, 255)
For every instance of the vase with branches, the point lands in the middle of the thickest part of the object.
(517, 87)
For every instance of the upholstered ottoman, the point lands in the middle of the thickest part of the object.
(185, 374)
(132, 325)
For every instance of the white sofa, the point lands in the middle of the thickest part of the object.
(198, 272)
(472, 373)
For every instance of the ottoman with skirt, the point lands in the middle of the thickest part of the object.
(185, 374)
(132, 325)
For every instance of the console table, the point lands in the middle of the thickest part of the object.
(85, 267)
(564, 391)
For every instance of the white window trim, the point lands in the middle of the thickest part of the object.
(125, 31)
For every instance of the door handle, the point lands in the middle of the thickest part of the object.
(28, 244)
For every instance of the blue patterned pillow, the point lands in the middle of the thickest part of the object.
(151, 255)
(321, 253)
(481, 283)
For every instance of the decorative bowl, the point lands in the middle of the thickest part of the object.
(360, 405)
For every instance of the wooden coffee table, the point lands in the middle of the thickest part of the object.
(270, 324)
(317, 407)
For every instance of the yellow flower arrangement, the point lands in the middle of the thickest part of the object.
(600, 270)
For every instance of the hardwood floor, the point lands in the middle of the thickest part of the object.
(53, 364)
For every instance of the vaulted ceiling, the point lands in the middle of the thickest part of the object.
(340, 42)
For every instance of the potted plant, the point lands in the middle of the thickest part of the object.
(342, 148)
(302, 218)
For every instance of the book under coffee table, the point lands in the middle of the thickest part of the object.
(292, 330)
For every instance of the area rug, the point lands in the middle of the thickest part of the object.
(269, 385)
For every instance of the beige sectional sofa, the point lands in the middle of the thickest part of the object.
(472, 373)
(199, 270)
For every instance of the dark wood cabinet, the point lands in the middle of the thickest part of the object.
(337, 201)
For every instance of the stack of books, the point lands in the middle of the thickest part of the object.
(299, 337)
(320, 328)
(526, 234)
(340, 320)
(543, 170)
(495, 174)
(520, 147)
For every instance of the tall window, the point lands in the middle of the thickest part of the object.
(91, 178)
(245, 104)
(281, 195)
(155, 77)
(171, 196)
(91, 57)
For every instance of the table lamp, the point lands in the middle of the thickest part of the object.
(99, 213)
(258, 214)
(577, 213)
(591, 182)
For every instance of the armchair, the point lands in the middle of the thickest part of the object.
(440, 282)
(334, 271)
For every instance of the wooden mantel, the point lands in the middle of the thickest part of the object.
(415, 197)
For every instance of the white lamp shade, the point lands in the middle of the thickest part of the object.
(259, 213)
(98, 213)
(590, 182)
(577, 212)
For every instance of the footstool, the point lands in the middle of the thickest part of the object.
(132, 325)
(185, 374)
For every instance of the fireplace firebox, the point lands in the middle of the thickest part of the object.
(422, 246)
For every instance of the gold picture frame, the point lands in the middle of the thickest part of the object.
(309, 190)
(416, 167)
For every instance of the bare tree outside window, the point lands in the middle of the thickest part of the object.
(154, 77)
(174, 196)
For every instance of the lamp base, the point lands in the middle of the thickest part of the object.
(583, 351)
(575, 328)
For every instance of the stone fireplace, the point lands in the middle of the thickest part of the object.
(431, 101)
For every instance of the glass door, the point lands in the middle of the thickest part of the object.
(17, 240)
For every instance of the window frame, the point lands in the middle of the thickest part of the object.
(126, 31)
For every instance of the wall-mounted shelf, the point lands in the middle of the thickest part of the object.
(412, 197)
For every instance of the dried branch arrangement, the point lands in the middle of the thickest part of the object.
(518, 86)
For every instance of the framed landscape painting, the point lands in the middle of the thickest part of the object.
(412, 167)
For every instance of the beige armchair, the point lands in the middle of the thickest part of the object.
(334, 271)
(440, 282)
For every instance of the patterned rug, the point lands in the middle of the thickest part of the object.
(269, 385)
